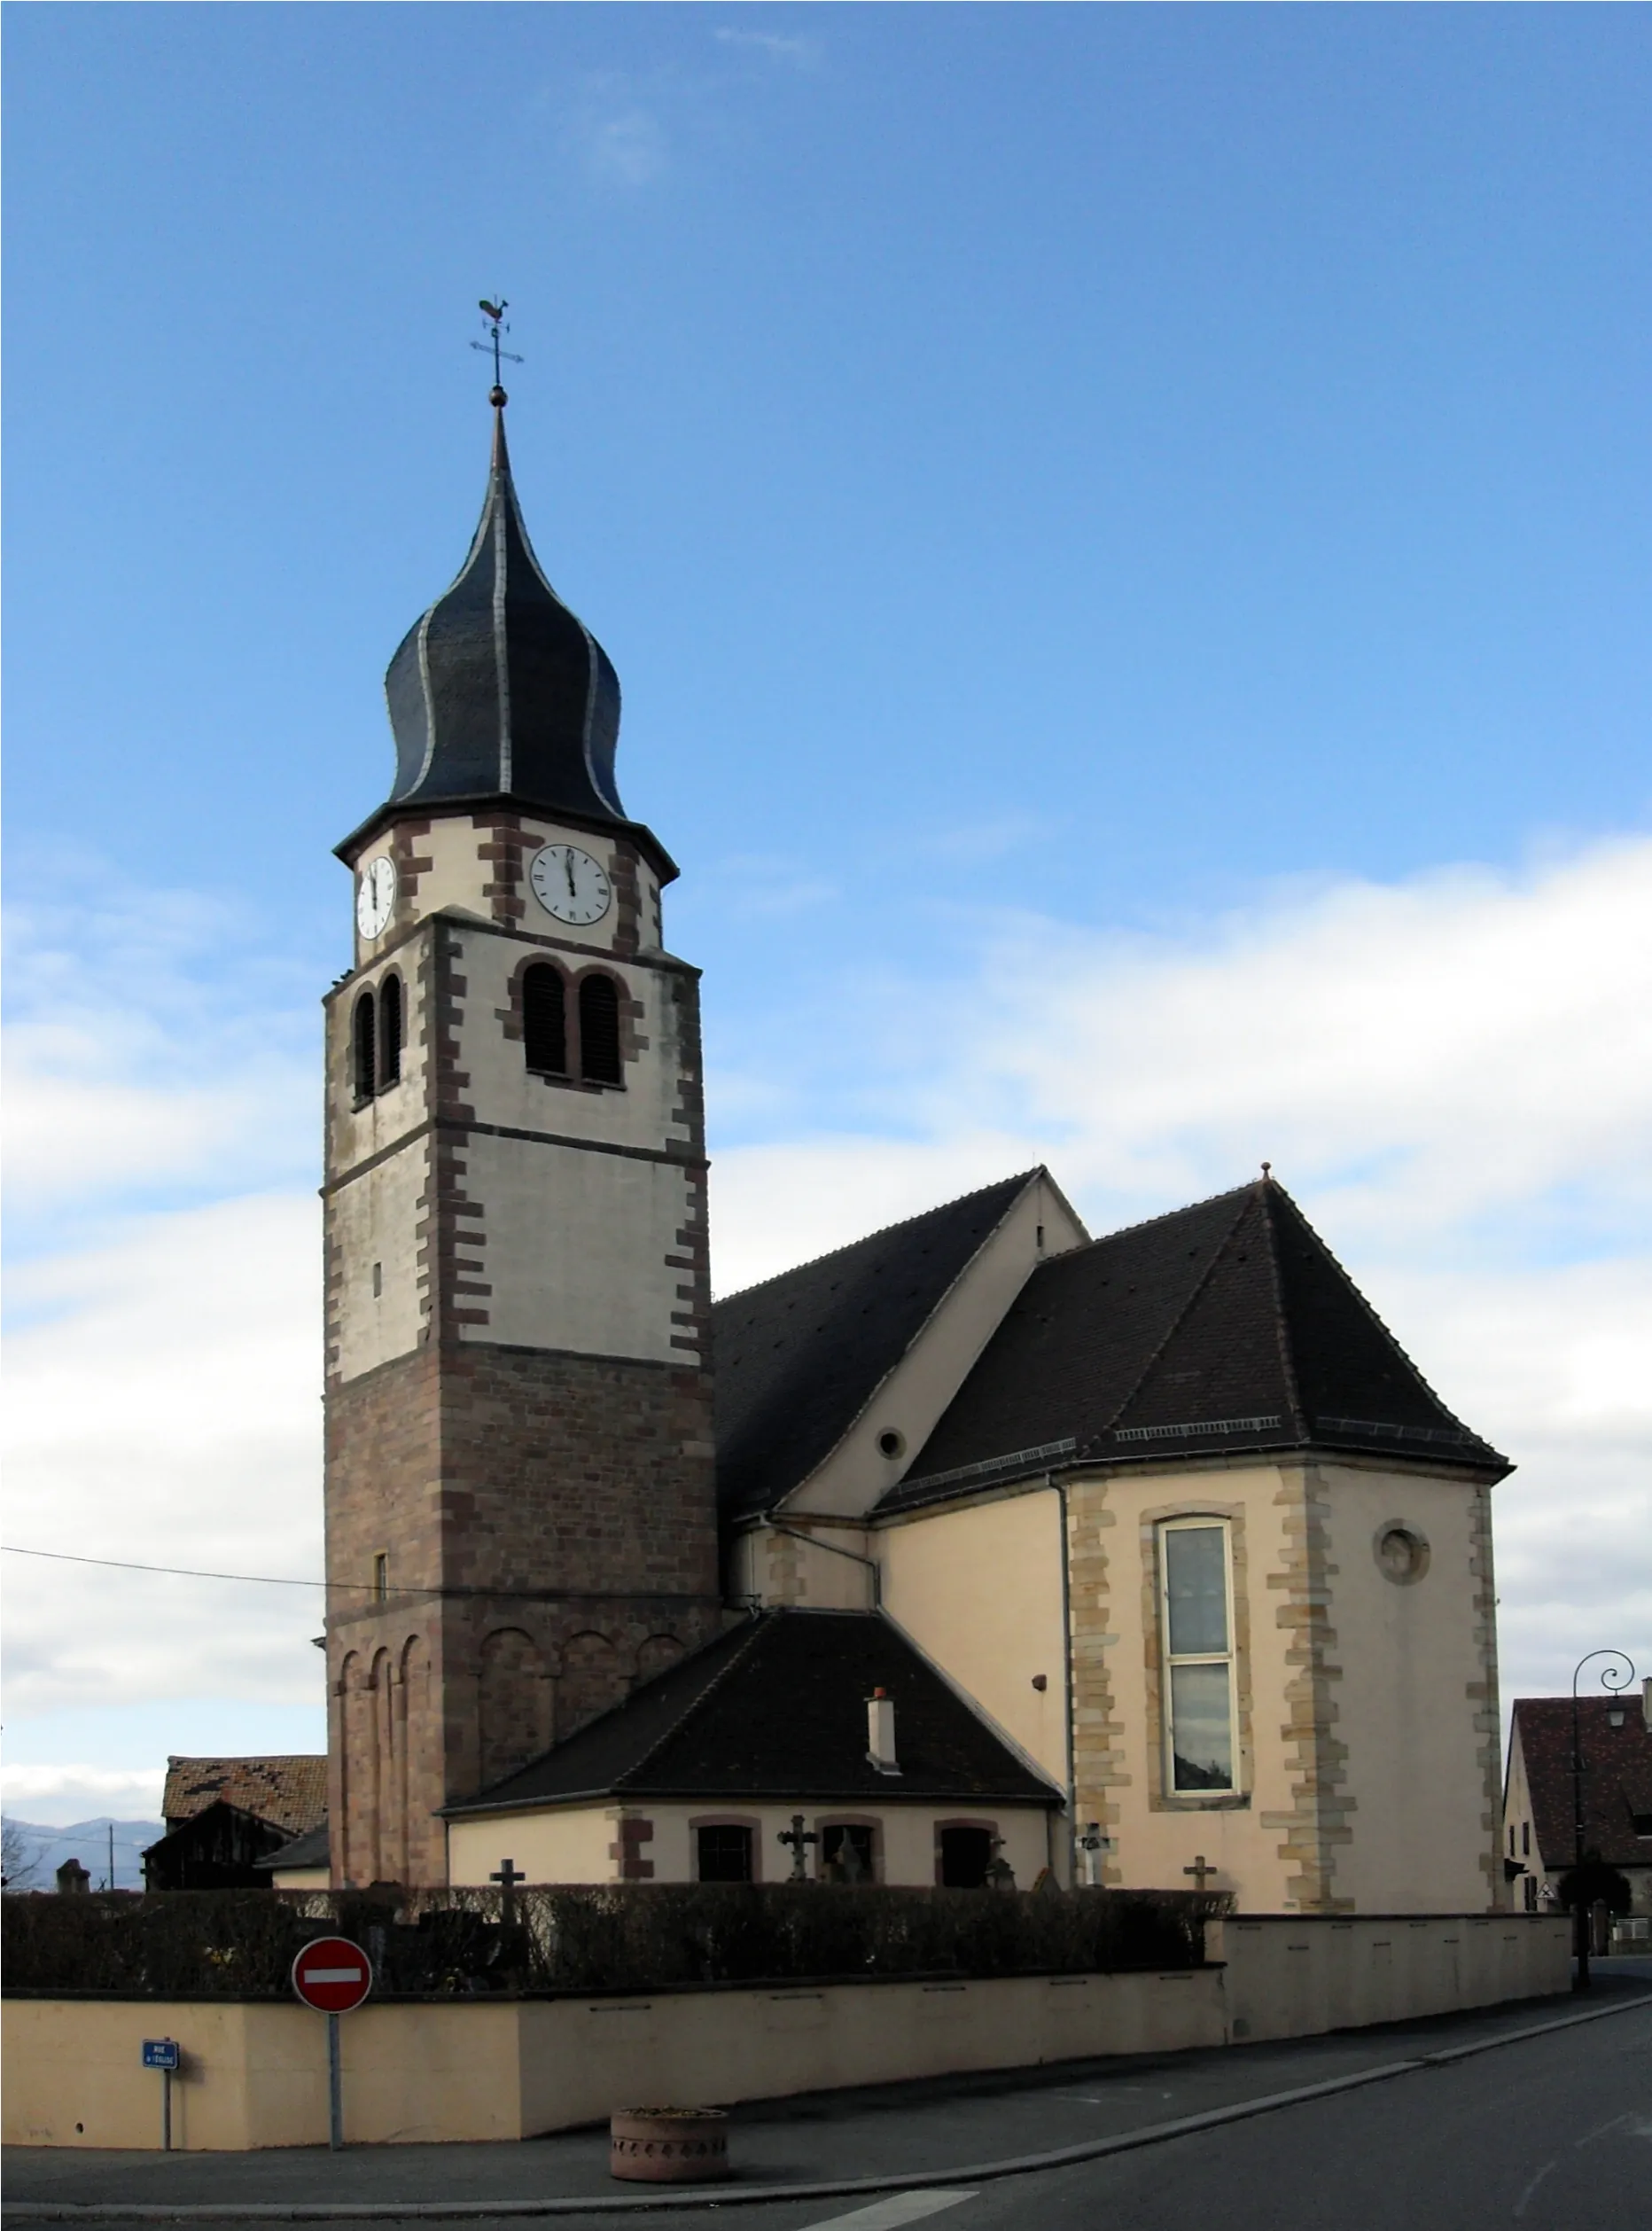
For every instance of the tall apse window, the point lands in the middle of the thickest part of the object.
(1197, 1614)
(599, 1030)
(545, 1020)
(363, 1041)
(389, 1032)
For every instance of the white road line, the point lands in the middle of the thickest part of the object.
(1520, 2205)
(888, 2215)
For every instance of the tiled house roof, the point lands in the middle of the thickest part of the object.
(1225, 1326)
(290, 1791)
(798, 1357)
(1616, 1778)
(776, 1709)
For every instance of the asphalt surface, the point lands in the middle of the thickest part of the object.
(1554, 2132)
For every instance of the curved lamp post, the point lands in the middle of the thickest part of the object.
(1615, 1678)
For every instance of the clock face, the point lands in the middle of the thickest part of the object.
(569, 884)
(375, 897)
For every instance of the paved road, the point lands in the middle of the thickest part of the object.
(1553, 2133)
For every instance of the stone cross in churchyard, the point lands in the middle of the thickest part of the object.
(799, 1839)
(505, 1875)
(1201, 1870)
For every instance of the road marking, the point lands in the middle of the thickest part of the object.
(1616, 2123)
(1520, 2205)
(887, 2215)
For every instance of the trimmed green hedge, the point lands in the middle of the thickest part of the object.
(630, 1937)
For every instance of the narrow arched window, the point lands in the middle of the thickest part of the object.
(599, 1030)
(545, 1019)
(363, 1038)
(389, 1032)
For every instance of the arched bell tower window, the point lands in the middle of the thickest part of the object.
(599, 1030)
(363, 1038)
(545, 1019)
(389, 1032)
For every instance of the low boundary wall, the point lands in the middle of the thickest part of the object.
(254, 2072)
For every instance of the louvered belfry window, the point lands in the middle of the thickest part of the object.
(389, 1032)
(545, 1019)
(599, 1030)
(363, 1041)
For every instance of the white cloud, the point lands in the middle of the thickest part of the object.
(615, 131)
(776, 46)
(1453, 1076)
(51, 1796)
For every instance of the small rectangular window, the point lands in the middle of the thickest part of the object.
(725, 1853)
(378, 1280)
(1201, 1746)
(381, 1576)
(1511, 1839)
(848, 1852)
(1525, 1839)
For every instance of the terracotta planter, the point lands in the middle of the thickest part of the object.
(668, 2145)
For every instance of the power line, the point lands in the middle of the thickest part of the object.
(376, 1588)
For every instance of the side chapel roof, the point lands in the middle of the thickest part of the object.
(1225, 1326)
(776, 1709)
(1617, 1777)
(289, 1791)
(798, 1357)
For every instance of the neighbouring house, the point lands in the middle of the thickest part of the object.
(224, 1816)
(1201, 1559)
(1610, 1769)
(302, 1864)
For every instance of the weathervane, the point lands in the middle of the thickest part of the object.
(495, 312)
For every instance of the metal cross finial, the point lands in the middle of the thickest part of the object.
(495, 312)
(1201, 1870)
(799, 1839)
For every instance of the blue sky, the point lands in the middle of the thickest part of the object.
(1124, 531)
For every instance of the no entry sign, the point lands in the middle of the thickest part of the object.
(332, 1975)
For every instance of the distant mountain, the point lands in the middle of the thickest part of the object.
(46, 1849)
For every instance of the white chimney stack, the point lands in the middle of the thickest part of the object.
(880, 1732)
(1646, 1702)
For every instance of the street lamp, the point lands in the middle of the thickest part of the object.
(1613, 1682)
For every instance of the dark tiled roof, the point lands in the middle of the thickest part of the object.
(290, 1791)
(1617, 1777)
(313, 1849)
(498, 691)
(798, 1357)
(1229, 1325)
(776, 1709)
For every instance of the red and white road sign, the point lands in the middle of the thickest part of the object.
(332, 1975)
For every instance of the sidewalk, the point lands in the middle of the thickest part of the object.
(924, 2130)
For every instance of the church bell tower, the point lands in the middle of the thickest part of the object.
(520, 1500)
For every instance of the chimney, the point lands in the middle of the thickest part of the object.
(880, 1732)
(1646, 1702)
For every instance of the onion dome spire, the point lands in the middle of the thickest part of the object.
(499, 691)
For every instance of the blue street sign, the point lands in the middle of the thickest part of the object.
(161, 2053)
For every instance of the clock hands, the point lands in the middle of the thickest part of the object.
(567, 862)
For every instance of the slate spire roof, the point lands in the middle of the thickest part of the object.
(775, 1708)
(1225, 1326)
(798, 1357)
(498, 691)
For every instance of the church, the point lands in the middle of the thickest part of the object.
(981, 1550)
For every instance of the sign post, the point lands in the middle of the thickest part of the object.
(333, 1975)
(162, 2053)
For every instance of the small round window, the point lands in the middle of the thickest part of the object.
(1402, 1555)
(891, 1444)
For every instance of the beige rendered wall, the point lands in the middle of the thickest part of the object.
(1299, 1977)
(577, 1844)
(980, 1590)
(468, 2070)
(1118, 1735)
(1416, 1703)
(375, 1217)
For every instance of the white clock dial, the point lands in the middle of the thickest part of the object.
(375, 897)
(569, 884)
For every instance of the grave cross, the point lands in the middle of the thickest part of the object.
(1200, 1870)
(799, 1839)
(507, 1878)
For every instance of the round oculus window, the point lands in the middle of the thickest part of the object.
(891, 1444)
(1402, 1555)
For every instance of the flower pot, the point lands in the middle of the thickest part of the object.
(668, 2145)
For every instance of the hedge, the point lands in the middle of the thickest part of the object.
(630, 1937)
